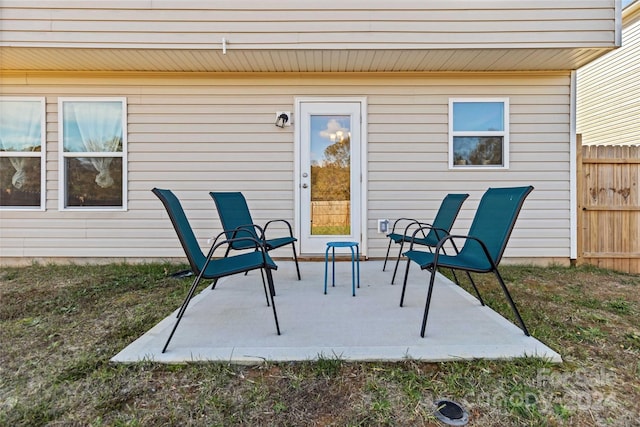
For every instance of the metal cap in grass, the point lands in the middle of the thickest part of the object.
(451, 413)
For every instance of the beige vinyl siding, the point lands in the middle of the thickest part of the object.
(194, 133)
(289, 24)
(609, 92)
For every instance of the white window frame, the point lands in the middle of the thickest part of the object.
(62, 155)
(504, 133)
(42, 154)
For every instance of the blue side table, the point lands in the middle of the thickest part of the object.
(355, 259)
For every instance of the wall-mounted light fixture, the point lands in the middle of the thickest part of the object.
(282, 119)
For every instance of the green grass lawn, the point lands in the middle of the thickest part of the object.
(331, 230)
(60, 325)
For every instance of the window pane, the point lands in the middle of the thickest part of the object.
(20, 123)
(20, 181)
(95, 181)
(477, 151)
(330, 175)
(478, 116)
(92, 126)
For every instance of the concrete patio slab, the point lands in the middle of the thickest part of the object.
(233, 323)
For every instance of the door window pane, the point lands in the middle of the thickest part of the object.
(330, 175)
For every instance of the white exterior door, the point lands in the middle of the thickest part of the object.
(330, 171)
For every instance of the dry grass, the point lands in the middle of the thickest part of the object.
(60, 325)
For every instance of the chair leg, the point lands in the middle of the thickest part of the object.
(511, 303)
(273, 288)
(428, 303)
(183, 308)
(264, 285)
(184, 304)
(215, 281)
(404, 284)
(273, 303)
(295, 258)
(397, 261)
(455, 277)
(473, 283)
(387, 255)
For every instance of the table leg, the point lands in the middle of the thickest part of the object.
(326, 262)
(333, 267)
(358, 263)
(353, 272)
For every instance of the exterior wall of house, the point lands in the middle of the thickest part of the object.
(287, 24)
(608, 107)
(194, 133)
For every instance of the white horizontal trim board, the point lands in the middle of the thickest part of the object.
(179, 138)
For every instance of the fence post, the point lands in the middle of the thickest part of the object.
(580, 201)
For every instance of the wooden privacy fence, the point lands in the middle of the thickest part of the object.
(331, 213)
(609, 207)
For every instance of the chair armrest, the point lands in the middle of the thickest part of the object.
(453, 237)
(278, 220)
(221, 239)
(422, 228)
(397, 221)
(246, 228)
(213, 241)
(217, 243)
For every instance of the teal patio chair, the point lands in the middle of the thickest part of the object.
(482, 248)
(208, 268)
(236, 222)
(430, 234)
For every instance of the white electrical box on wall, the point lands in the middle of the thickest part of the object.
(383, 225)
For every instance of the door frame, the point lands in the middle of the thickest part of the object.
(362, 100)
